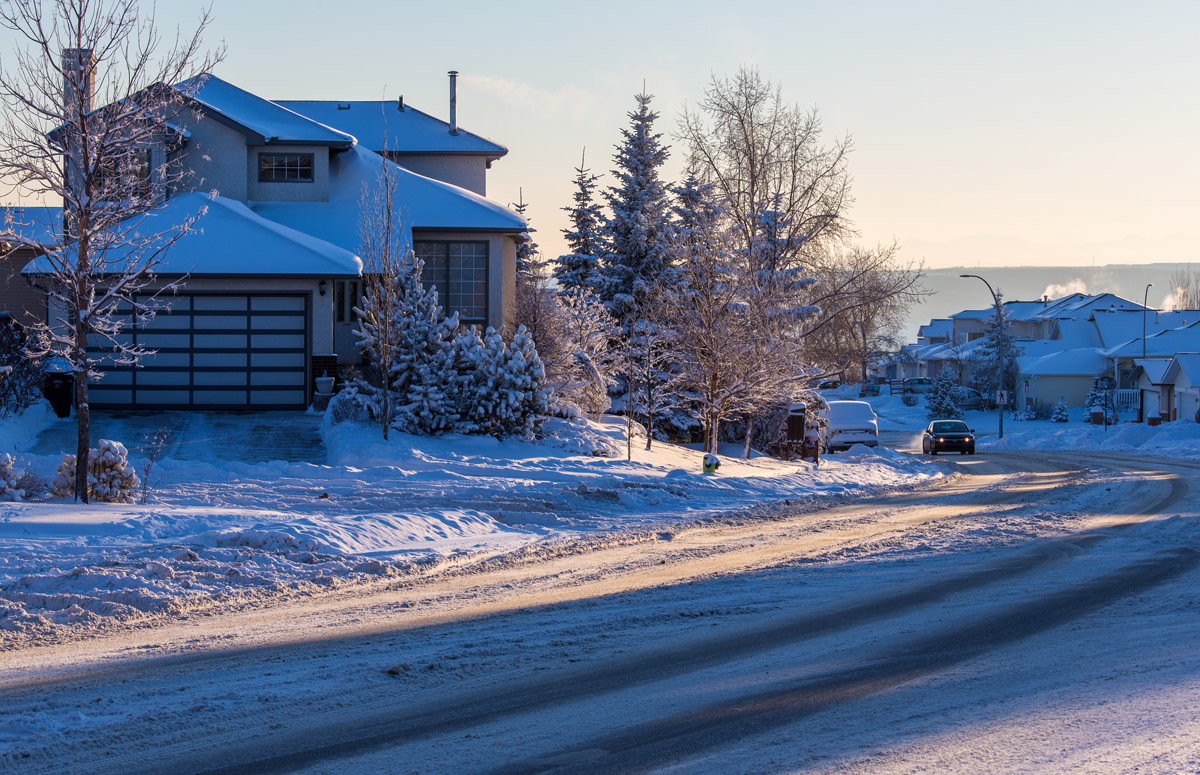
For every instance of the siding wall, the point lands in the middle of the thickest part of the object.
(26, 304)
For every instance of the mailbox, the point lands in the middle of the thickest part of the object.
(797, 414)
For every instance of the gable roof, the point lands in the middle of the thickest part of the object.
(1153, 368)
(426, 203)
(1188, 364)
(262, 121)
(383, 126)
(1163, 344)
(230, 239)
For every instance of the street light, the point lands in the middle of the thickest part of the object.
(1145, 297)
(1000, 348)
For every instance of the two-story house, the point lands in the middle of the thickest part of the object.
(271, 272)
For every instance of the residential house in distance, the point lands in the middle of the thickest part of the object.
(271, 272)
(1066, 343)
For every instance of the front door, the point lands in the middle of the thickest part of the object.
(345, 342)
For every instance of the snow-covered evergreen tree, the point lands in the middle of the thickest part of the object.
(527, 250)
(941, 400)
(524, 386)
(424, 369)
(996, 354)
(1098, 399)
(589, 334)
(1061, 413)
(638, 231)
(580, 269)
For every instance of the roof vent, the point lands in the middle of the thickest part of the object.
(343, 106)
(400, 103)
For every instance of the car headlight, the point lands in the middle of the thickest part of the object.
(940, 439)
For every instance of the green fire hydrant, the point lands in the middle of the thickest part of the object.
(711, 463)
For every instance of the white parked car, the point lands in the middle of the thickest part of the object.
(850, 423)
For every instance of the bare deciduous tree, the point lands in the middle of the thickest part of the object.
(382, 249)
(1185, 289)
(110, 167)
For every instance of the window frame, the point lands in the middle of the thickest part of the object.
(299, 156)
(448, 271)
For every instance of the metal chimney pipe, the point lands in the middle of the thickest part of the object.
(453, 102)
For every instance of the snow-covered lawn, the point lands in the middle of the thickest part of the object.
(223, 532)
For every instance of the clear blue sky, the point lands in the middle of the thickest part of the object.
(985, 133)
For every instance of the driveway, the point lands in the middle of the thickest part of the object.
(246, 437)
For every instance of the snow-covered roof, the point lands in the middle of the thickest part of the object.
(426, 203)
(38, 224)
(1120, 325)
(1154, 368)
(936, 329)
(1163, 344)
(1082, 361)
(1073, 333)
(229, 239)
(264, 121)
(383, 126)
(1188, 363)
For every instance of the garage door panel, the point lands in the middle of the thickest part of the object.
(216, 350)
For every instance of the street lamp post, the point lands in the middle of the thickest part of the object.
(1145, 298)
(1001, 349)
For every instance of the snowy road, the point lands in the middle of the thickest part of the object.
(1037, 613)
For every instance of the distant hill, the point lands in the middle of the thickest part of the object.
(952, 293)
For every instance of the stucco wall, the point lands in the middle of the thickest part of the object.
(290, 191)
(469, 172)
(1074, 389)
(216, 158)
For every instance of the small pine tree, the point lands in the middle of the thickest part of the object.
(1097, 399)
(525, 387)
(423, 370)
(580, 269)
(1061, 413)
(941, 400)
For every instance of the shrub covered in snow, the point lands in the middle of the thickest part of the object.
(110, 476)
(21, 385)
(10, 486)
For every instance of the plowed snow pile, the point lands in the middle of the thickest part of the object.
(219, 533)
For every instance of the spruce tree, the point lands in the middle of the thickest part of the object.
(1061, 413)
(941, 400)
(638, 232)
(527, 250)
(424, 364)
(996, 355)
(580, 269)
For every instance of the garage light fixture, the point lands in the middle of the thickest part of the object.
(321, 286)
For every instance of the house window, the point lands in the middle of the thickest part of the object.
(459, 272)
(345, 299)
(126, 176)
(285, 167)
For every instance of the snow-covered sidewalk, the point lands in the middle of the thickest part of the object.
(223, 533)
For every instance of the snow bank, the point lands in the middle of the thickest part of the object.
(223, 533)
(18, 433)
(1179, 439)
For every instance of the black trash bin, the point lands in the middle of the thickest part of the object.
(59, 389)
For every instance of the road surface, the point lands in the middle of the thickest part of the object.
(1036, 613)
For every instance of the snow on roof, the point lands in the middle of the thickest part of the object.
(1083, 361)
(38, 224)
(230, 239)
(1188, 363)
(1163, 344)
(1154, 368)
(382, 126)
(269, 122)
(427, 203)
(1121, 325)
(1073, 332)
(936, 328)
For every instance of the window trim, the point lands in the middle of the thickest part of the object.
(312, 167)
(487, 276)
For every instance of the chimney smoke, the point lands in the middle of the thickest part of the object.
(453, 102)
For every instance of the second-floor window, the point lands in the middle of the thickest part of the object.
(285, 167)
(125, 177)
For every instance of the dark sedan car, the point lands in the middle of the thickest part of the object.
(948, 436)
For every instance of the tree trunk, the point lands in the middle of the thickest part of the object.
(83, 417)
(749, 433)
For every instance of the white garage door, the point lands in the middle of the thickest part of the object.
(215, 351)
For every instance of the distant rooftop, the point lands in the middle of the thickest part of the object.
(383, 126)
(37, 224)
